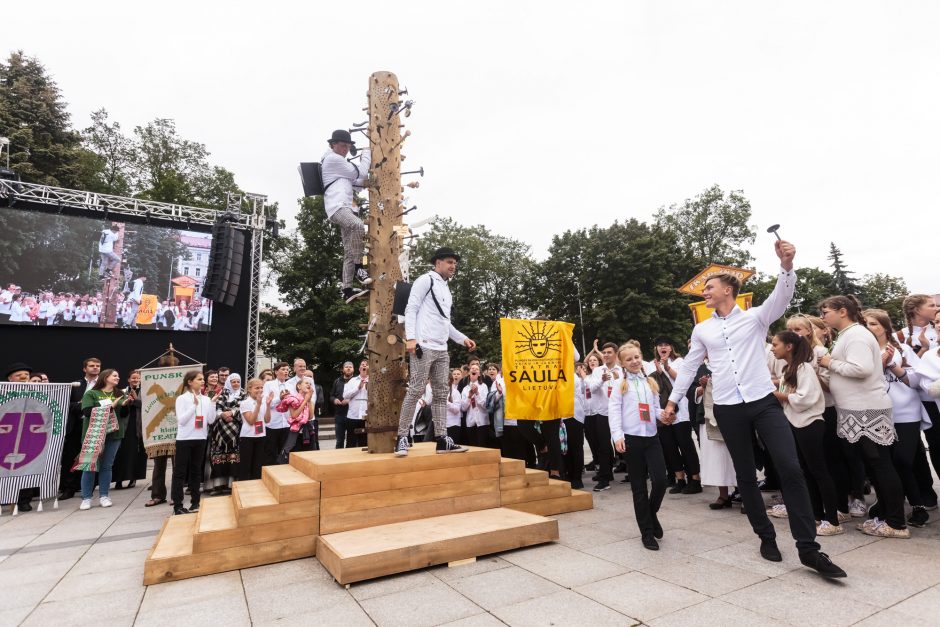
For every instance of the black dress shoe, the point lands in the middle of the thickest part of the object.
(626, 479)
(590, 467)
(657, 528)
(821, 563)
(178, 511)
(119, 485)
(24, 506)
(720, 503)
(577, 485)
(65, 495)
(769, 550)
(649, 542)
(678, 488)
(694, 487)
(132, 484)
(621, 467)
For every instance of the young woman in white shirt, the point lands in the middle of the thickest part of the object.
(251, 448)
(899, 361)
(801, 395)
(574, 460)
(676, 438)
(194, 413)
(591, 363)
(863, 409)
(454, 410)
(473, 402)
(633, 411)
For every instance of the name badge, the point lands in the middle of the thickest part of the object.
(645, 412)
(199, 422)
(259, 427)
(609, 388)
(587, 393)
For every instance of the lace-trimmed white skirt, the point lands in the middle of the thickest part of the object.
(874, 424)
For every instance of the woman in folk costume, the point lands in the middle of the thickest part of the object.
(131, 461)
(102, 433)
(224, 436)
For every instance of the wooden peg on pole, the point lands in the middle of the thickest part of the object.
(387, 371)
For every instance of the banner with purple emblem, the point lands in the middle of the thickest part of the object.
(32, 429)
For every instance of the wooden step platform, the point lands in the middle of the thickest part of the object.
(363, 554)
(576, 502)
(173, 558)
(217, 527)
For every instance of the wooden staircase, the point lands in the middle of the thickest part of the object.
(365, 515)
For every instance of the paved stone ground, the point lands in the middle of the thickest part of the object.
(68, 567)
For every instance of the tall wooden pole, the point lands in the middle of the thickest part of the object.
(385, 349)
(111, 286)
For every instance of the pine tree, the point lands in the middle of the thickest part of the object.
(842, 278)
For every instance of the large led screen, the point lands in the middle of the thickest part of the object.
(59, 270)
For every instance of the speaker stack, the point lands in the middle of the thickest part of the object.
(226, 258)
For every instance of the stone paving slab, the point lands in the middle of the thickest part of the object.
(69, 567)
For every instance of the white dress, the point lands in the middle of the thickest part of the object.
(717, 467)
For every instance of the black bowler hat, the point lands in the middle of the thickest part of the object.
(340, 135)
(444, 253)
(662, 339)
(16, 367)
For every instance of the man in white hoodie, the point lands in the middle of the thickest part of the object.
(427, 329)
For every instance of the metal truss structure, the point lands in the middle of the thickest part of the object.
(254, 221)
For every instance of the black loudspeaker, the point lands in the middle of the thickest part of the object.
(226, 258)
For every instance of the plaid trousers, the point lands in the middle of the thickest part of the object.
(433, 365)
(351, 230)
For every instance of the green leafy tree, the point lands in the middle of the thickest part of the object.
(33, 116)
(491, 282)
(883, 291)
(812, 286)
(112, 154)
(710, 228)
(316, 323)
(842, 278)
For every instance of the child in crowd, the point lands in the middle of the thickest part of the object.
(300, 406)
(251, 440)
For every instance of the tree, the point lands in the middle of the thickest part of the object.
(883, 291)
(711, 228)
(842, 277)
(317, 323)
(113, 155)
(492, 277)
(812, 286)
(33, 116)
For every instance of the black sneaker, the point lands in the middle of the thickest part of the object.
(678, 488)
(694, 487)
(194, 509)
(657, 528)
(601, 486)
(821, 563)
(178, 511)
(590, 467)
(769, 550)
(446, 445)
(577, 485)
(918, 517)
(401, 447)
(649, 542)
(362, 275)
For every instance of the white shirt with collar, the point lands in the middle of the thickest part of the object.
(339, 177)
(736, 351)
(601, 390)
(624, 408)
(278, 418)
(475, 405)
(423, 321)
(454, 409)
(358, 399)
(292, 386)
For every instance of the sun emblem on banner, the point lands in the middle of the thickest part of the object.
(538, 339)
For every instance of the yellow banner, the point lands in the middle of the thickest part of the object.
(538, 368)
(147, 309)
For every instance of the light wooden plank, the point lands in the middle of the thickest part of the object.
(554, 489)
(403, 496)
(342, 464)
(175, 538)
(363, 485)
(531, 478)
(217, 527)
(174, 568)
(549, 507)
(287, 484)
(509, 467)
(255, 505)
(334, 523)
(394, 548)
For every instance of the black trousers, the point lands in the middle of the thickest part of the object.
(597, 427)
(252, 454)
(574, 460)
(274, 440)
(187, 468)
(885, 480)
(478, 436)
(646, 457)
(766, 417)
(353, 439)
(550, 429)
(903, 454)
(810, 442)
(590, 433)
(838, 468)
(158, 480)
(679, 448)
(339, 423)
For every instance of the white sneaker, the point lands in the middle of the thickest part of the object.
(86, 504)
(778, 511)
(105, 502)
(826, 528)
(843, 517)
(857, 509)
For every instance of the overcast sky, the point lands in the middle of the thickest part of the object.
(536, 117)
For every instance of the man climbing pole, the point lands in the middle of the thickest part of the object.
(339, 178)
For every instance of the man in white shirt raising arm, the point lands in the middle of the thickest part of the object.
(734, 340)
(427, 329)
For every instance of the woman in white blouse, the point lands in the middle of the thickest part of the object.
(473, 401)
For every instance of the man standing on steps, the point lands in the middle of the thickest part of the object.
(734, 341)
(339, 178)
(427, 329)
